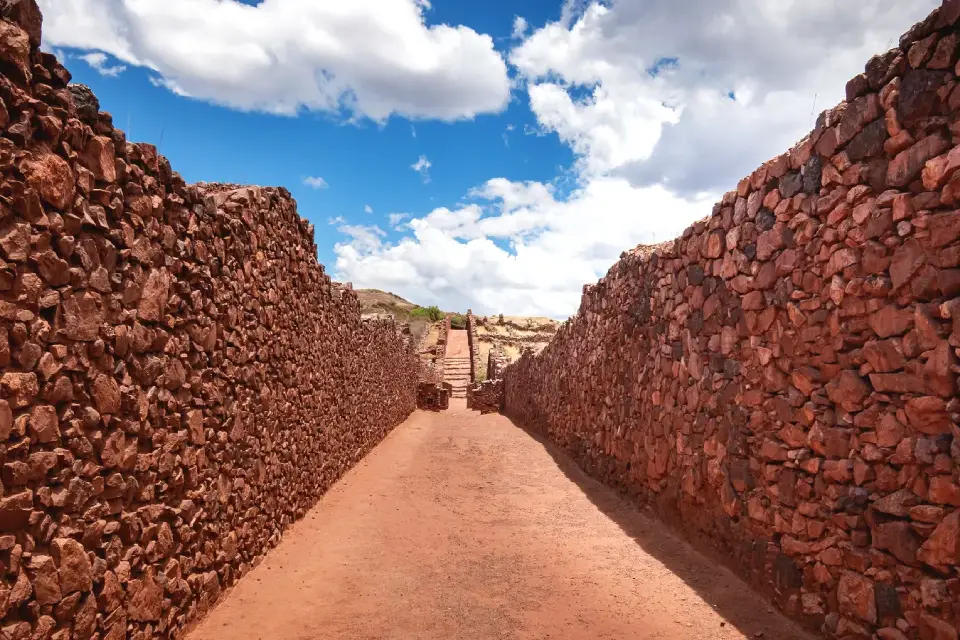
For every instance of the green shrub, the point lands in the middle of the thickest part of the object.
(432, 313)
(458, 321)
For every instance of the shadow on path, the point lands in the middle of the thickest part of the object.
(723, 589)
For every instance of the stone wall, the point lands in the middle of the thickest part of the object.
(441, 358)
(486, 396)
(474, 345)
(781, 381)
(497, 361)
(180, 378)
(434, 396)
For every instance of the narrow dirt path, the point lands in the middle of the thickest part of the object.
(462, 526)
(458, 344)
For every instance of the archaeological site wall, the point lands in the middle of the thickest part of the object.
(474, 345)
(180, 378)
(780, 382)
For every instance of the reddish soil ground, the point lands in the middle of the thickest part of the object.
(464, 526)
(458, 345)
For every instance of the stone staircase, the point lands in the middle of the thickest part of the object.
(456, 371)
(456, 363)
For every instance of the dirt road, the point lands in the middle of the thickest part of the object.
(462, 526)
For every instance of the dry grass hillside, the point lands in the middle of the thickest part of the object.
(376, 302)
(423, 321)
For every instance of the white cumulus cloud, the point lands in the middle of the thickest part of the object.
(694, 94)
(99, 62)
(371, 58)
(422, 166)
(315, 182)
(665, 105)
(520, 26)
(518, 248)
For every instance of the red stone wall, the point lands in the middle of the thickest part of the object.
(497, 361)
(486, 396)
(180, 378)
(474, 345)
(781, 381)
(434, 396)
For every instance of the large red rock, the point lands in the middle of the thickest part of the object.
(145, 601)
(891, 321)
(6, 420)
(15, 47)
(99, 157)
(81, 316)
(44, 424)
(106, 394)
(935, 628)
(908, 164)
(153, 300)
(73, 566)
(907, 260)
(43, 574)
(942, 548)
(855, 596)
(928, 415)
(884, 355)
(15, 511)
(15, 241)
(52, 177)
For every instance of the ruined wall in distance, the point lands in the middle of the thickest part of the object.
(486, 396)
(781, 381)
(180, 378)
(474, 345)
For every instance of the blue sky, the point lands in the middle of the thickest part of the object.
(554, 134)
(363, 163)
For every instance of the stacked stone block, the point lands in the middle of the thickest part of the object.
(497, 360)
(180, 378)
(474, 345)
(780, 382)
(486, 396)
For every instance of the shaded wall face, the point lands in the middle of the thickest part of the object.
(781, 381)
(180, 378)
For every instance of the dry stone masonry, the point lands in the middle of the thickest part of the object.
(180, 378)
(497, 360)
(781, 381)
(486, 396)
(474, 345)
(434, 396)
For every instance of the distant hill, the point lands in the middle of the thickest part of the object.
(373, 300)
(419, 319)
